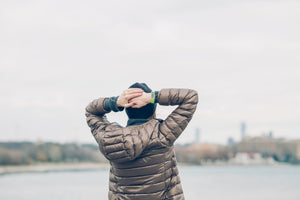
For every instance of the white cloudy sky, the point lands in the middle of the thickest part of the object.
(241, 56)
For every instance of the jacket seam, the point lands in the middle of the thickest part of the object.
(134, 194)
(141, 175)
(144, 183)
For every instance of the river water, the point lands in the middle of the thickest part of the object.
(209, 183)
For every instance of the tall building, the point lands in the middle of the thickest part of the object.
(243, 130)
(230, 141)
(270, 134)
(197, 136)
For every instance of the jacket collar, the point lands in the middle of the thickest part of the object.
(132, 122)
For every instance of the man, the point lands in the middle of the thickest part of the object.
(141, 155)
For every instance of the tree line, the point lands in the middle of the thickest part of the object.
(24, 153)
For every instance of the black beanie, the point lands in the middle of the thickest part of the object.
(143, 112)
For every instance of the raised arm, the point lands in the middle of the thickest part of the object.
(177, 121)
(96, 110)
(105, 132)
(96, 118)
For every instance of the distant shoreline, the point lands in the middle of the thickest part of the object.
(85, 166)
(52, 167)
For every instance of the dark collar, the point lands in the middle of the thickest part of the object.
(132, 122)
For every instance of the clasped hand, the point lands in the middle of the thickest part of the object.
(133, 97)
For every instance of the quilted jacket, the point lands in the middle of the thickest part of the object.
(142, 158)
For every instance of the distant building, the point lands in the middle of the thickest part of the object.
(230, 141)
(281, 148)
(270, 134)
(251, 159)
(243, 130)
(197, 136)
(205, 147)
(231, 145)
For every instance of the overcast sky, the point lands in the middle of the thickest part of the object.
(241, 56)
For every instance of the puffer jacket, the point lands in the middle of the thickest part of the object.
(142, 158)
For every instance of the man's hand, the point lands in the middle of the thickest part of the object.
(128, 94)
(140, 101)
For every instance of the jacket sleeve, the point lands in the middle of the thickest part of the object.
(187, 100)
(96, 118)
(115, 143)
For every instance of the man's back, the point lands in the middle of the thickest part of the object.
(143, 164)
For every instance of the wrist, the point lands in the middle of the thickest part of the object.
(148, 99)
(118, 102)
(156, 96)
(112, 105)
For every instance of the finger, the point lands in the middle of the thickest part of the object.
(130, 93)
(131, 96)
(136, 106)
(129, 105)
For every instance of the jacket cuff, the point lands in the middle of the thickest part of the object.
(111, 105)
(156, 96)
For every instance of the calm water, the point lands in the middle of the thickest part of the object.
(209, 183)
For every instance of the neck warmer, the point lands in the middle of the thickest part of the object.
(132, 122)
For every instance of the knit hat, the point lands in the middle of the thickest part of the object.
(145, 111)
